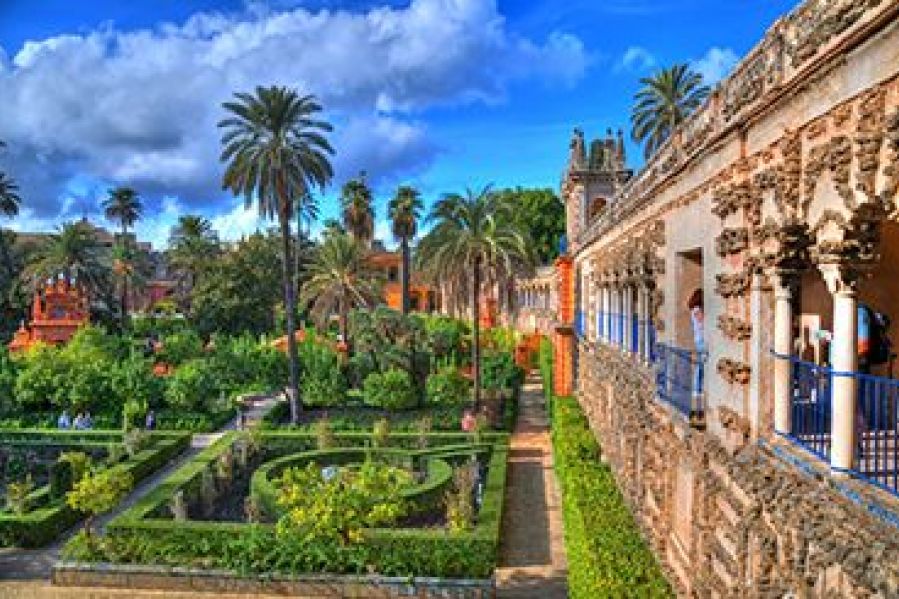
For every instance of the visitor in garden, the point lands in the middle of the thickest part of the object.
(64, 421)
(150, 421)
(78, 423)
(469, 421)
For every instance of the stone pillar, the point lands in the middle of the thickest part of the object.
(842, 284)
(607, 312)
(783, 347)
(616, 311)
(590, 315)
(628, 344)
(643, 318)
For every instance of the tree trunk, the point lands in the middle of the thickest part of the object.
(476, 329)
(290, 312)
(124, 300)
(405, 275)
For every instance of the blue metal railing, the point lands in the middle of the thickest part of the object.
(877, 430)
(876, 415)
(600, 321)
(810, 406)
(635, 333)
(579, 324)
(680, 379)
(619, 330)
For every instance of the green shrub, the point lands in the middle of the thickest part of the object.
(448, 386)
(181, 346)
(61, 478)
(192, 386)
(323, 383)
(41, 379)
(79, 463)
(545, 360)
(499, 371)
(446, 337)
(607, 555)
(390, 390)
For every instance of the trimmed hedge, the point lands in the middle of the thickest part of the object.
(43, 524)
(607, 555)
(140, 536)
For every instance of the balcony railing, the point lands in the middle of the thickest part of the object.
(876, 415)
(680, 379)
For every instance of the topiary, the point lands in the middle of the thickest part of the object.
(391, 390)
(448, 387)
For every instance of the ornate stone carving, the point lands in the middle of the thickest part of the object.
(728, 199)
(816, 22)
(732, 285)
(732, 241)
(734, 372)
(868, 140)
(891, 172)
(834, 156)
(734, 328)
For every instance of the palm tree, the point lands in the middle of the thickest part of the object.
(358, 212)
(474, 242)
(404, 211)
(75, 254)
(340, 279)
(666, 99)
(276, 151)
(9, 206)
(306, 213)
(193, 245)
(123, 205)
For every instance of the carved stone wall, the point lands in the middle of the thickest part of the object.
(757, 526)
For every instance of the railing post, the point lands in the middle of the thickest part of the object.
(783, 348)
(842, 283)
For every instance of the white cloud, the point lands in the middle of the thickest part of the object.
(140, 107)
(715, 64)
(636, 58)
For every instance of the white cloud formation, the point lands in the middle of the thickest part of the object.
(636, 58)
(715, 64)
(112, 107)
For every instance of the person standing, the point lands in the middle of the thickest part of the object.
(697, 322)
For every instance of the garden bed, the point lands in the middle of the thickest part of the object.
(47, 516)
(149, 534)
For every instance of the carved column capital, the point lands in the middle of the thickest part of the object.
(841, 278)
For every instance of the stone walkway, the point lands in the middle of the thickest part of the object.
(532, 557)
(32, 564)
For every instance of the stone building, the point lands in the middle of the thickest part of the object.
(758, 453)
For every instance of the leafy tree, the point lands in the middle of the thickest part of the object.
(332, 226)
(542, 214)
(357, 210)
(324, 383)
(475, 241)
(75, 254)
(97, 494)
(275, 151)
(125, 206)
(666, 99)
(9, 207)
(193, 247)
(391, 390)
(240, 291)
(337, 509)
(41, 379)
(192, 386)
(340, 279)
(404, 211)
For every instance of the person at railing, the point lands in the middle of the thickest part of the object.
(697, 322)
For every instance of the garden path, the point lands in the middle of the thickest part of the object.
(532, 556)
(30, 564)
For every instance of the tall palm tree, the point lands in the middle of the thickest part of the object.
(75, 254)
(9, 207)
(275, 150)
(340, 279)
(666, 99)
(307, 213)
(474, 242)
(125, 206)
(404, 211)
(193, 245)
(358, 211)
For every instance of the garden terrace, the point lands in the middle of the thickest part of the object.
(185, 521)
(45, 514)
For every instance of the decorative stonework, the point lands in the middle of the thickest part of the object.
(734, 328)
(733, 371)
(732, 285)
(732, 421)
(732, 241)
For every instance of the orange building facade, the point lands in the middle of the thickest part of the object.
(58, 310)
(422, 298)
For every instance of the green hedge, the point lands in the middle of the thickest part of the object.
(43, 524)
(139, 536)
(545, 361)
(607, 555)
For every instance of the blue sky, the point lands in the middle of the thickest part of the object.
(442, 94)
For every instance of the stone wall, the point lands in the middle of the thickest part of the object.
(726, 517)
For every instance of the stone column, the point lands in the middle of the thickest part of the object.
(783, 347)
(606, 300)
(842, 284)
(628, 311)
(643, 317)
(616, 310)
(590, 316)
